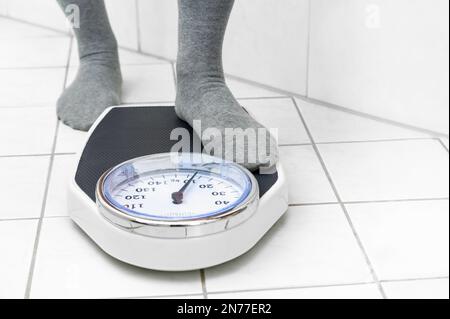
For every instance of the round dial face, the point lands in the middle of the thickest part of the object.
(163, 189)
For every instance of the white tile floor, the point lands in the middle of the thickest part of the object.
(369, 201)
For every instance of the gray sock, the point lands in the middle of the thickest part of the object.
(98, 81)
(202, 93)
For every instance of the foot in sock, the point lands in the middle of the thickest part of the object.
(202, 93)
(96, 87)
(236, 135)
(98, 81)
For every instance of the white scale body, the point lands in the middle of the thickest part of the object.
(114, 130)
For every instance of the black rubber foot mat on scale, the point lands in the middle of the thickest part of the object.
(129, 132)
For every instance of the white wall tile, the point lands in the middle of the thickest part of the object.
(122, 16)
(158, 21)
(266, 41)
(383, 57)
(4, 6)
(271, 53)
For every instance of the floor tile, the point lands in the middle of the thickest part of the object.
(329, 125)
(11, 29)
(280, 114)
(70, 140)
(306, 247)
(368, 291)
(23, 185)
(126, 57)
(70, 265)
(404, 239)
(388, 170)
(16, 257)
(417, 289)
(30, 87)
(241, 89)
(306, 179)
(27, 130)
(62, 170)
(35, 52)
(144, 83)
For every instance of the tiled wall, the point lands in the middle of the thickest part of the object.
(383, 57)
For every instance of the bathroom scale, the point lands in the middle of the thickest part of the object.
(150, 206)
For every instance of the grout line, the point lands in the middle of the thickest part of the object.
(203, 280)
(414, 279)
(43, 67)
(381, 140)
(312, 204)
(138, 26)
(36, 25)
(36, 155)
(344, 209)
(44, 200)
(442, 144)
(274, 97)
(293, 287)
(164, 296)
(66, 73)
(41, 219)
(308, 49)
(386, 140)
(395, 200)
(370, 201)
(30, 218)
(17, 219)
(174, 73)
(294, 144)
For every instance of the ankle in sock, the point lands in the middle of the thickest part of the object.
(99, 80)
